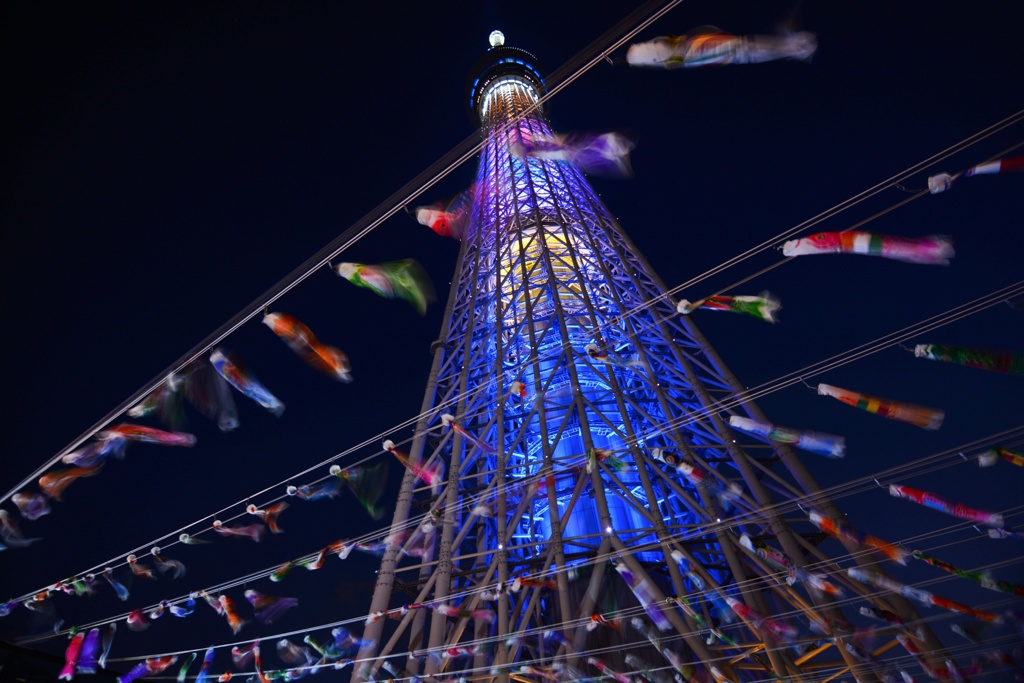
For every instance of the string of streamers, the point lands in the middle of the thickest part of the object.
(943, 181)
(758, 391)
(248, 578)
(892, 181)
(477, 645)
(892, 339)
(861, 223)
(585, 60)
(598, 559)
(272, 403)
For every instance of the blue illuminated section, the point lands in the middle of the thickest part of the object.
(544, 263)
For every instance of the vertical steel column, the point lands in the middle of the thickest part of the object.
(386, 574)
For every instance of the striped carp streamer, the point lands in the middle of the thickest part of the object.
(763, 307)
(921, 416)
(985, 579)
(1007, 362)
(707, 46)
(922, 596)
(992, 519)
(404, 280)
(943, 181)
(815, 442)
(601, 666)
(933, 250)
(727, 493)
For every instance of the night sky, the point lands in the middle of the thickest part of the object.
(164, 164)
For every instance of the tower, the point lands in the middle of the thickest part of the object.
(590, 471)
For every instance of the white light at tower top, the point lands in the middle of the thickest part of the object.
(496, 39)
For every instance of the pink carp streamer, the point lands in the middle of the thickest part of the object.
(815, 442)
(71, 656)
(1007, 362)
(933, 250)
(716, 48)
(943, 181)
(254, 532)
(993, 519)
(911, 647)
(921, 416)
(763, 307)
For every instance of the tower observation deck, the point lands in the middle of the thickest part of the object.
(591, 469)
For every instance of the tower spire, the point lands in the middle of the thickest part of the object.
(595, 496)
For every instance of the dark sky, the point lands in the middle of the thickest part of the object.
(163, 164)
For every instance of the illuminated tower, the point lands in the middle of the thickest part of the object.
(562, 481)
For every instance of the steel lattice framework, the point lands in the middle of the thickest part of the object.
(553, 473)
